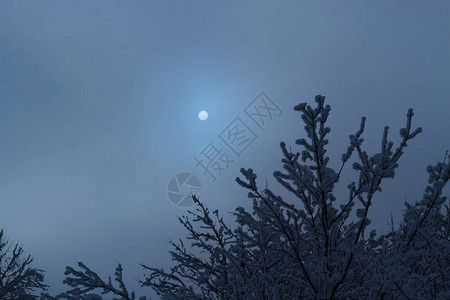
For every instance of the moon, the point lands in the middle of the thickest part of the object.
(203, 115)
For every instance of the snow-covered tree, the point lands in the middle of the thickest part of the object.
(18, 279)
(308, 247)
(86, 280)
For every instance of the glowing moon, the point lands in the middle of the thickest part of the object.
(203, 115)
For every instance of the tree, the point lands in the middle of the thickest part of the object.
(18, 280)
(87, 280)
(310, 248)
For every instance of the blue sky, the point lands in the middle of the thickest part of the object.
(99, 104)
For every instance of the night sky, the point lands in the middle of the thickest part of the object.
(99, 103)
